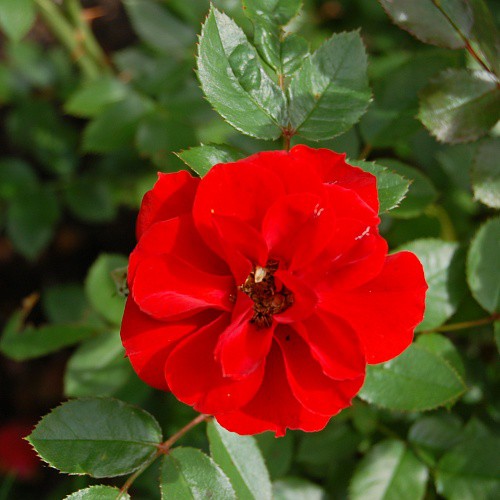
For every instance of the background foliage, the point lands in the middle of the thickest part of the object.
(86, 122)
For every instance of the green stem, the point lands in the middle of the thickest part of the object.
(64, 31)
(447, 229)
(464, 324)
(464, 38)
(366, 151)
(163, 449)
(92, 47)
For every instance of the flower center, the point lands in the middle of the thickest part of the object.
(260, 286)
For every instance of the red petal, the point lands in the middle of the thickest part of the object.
(309, 384)
(242, 246)
(335, 345)
(332, 168)
(297, 228)
(148, 342)
(177, 236)
(304, 298)
(274, 407)
(348, 204)
(168, 287)
(297, 176)
(239, 190)
(195, 377)
(385, 311)
(172, 195)
(243, 347)
(357, 265)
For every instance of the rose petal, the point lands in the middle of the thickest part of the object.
(297, 228)
(333, 169)
(196, 378)
(242, 246)
(348, 204)
(177, 236)
(296, 176)
(274, 407)
(148, 342)
(304, 298)
(385, 311)
(316, 391)
(243, 347)
(172, 195)
(239, 190)
(335, 345)
(168, 288)
(357, 265)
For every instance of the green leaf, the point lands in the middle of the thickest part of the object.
(64, 303)
(28, 343)
(294, 50)
(31, 219)
(483, 272)
(277, 11)
(36, 127)
(17, 17)
(459, 105)
(486, 173)
(159, 134)
(443, 268)
(391, 119)
(471, 470)
(159, 28)
(335, 444)
(99, 492)
(240, 458)
(277, 453)
(444, 348)
(234, 81)
(421, 192)
(390, 471)
(89, 197)
(202, 158)
(416, 380)
(189, 473)
(296, 488)
(437, 433)
(15, 176)
(101, 289)
(486, 35)
(97, 368)
(90, 99)
(391, 187)
(330, 92)
(116, 126)
(433, 21)
(96, 436)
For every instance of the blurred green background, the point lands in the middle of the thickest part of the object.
(87, 120)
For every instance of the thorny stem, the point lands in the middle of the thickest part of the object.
(162, 449)
(366, 151)
(65, 32)
(464, 324)
(464, 38)
(87, 38)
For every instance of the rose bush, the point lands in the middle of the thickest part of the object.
(260, 292)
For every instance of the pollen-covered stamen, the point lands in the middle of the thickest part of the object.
(260, 286)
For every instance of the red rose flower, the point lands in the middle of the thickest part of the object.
(260, 292)
(16, 455)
